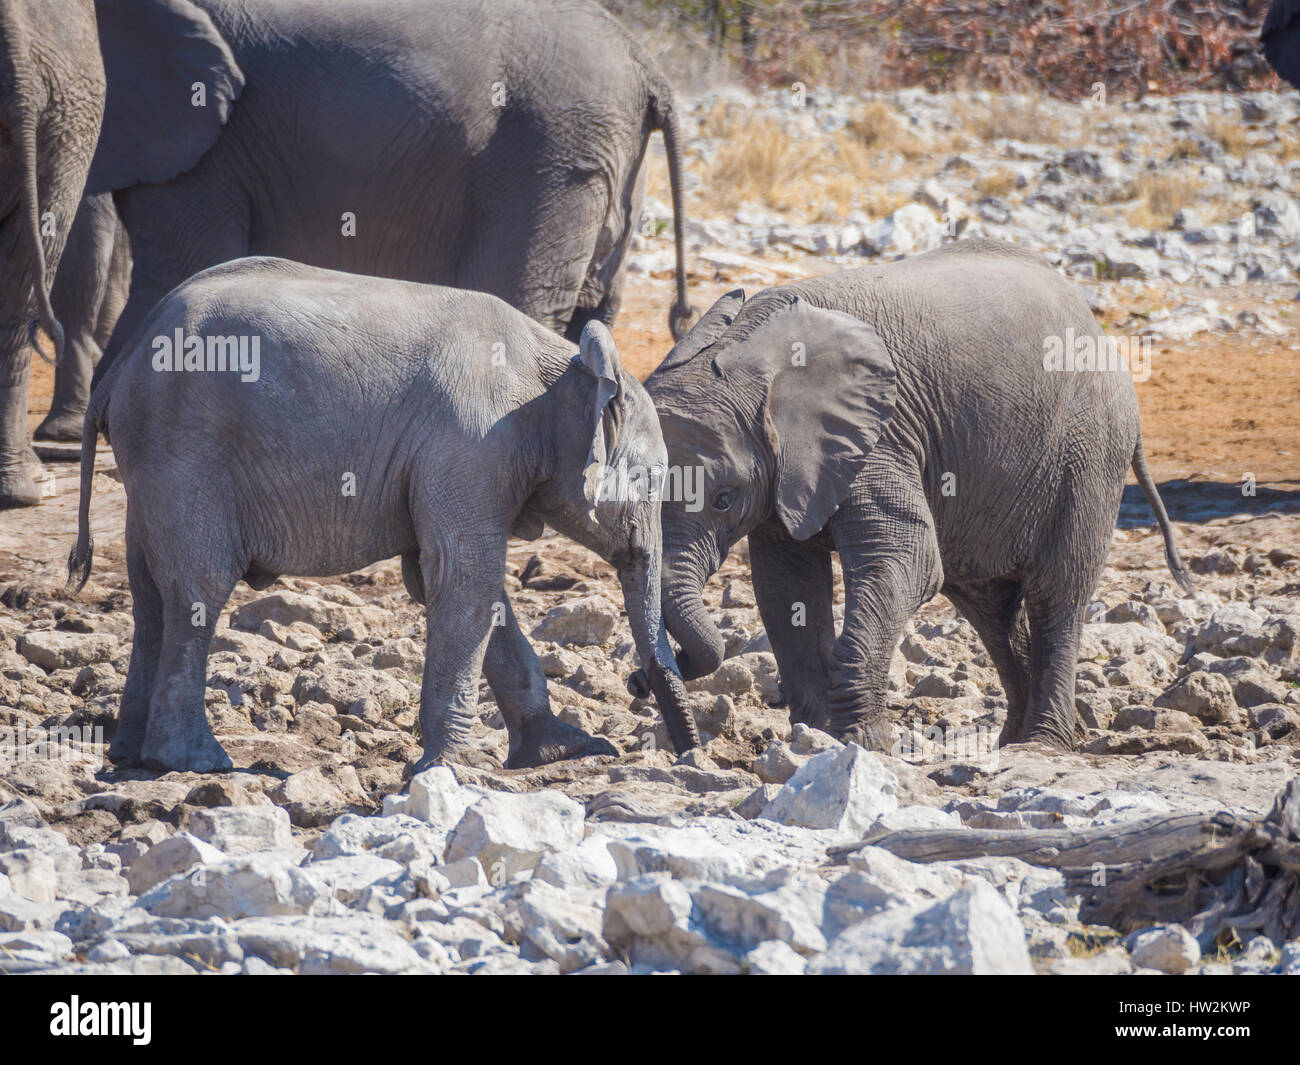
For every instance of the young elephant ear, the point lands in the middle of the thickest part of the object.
(705, 332)
(831, 389)
(598, 356)
(171, 79)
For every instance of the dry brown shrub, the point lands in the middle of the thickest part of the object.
(997, 182)
(1160, 195)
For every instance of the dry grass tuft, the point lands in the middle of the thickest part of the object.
(1287, 146)
(820, 177)
(1231, 134)
(878, 128)
(1016, 118)
(760, 163)
(996, 182)
(1160, 196)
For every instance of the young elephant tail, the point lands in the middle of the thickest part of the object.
(79, 558)
(1176, 565)
(665, 118)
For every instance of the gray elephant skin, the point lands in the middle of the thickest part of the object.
(378, 418)
(1280, 38)
(906, 417)
(51, 102)
(496, 145)
(90, 290)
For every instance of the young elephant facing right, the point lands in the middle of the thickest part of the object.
(902, 415)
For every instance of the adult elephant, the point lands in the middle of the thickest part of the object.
(487, 144)
(1281, 39)
(496, 145)
(51, 101)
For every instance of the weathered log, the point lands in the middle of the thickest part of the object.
(1063, 848)
(1218, 874)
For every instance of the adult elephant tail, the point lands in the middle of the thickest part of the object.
(1175, 562)
(79, 558)
(24, 118)
(665, 120)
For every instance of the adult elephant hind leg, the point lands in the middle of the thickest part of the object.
(996, 610)
(77, 296)
(71, 391)
(177, 736)
(17, 485)
(518, 682)
(890, 557)
(793, 588)
(146, 645)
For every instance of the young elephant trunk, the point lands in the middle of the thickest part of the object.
(702, 646)
(641, 595)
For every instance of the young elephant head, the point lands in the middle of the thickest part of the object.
(613, 459)
(767, 408)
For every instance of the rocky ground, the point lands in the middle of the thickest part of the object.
(318, 854)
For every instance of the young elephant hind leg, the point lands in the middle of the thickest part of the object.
(890, 557)
(996, 610)
(462, 575)
(517, 680)
(794, 591)
(146, 645)
(178, 735)
(1056, 601)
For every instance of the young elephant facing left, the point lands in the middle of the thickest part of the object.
(313, 422)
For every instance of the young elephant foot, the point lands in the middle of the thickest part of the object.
(545, 739)
(871, 733)
(61, 425)
(1049, 735)
(805, 711)
(127, 746)
(196, 751)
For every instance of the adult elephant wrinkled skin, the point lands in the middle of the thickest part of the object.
(922, 420)
(347, 420)
(51, 101)
(496, 145)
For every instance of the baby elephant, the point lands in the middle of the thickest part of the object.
(937, 422)
(271, 418)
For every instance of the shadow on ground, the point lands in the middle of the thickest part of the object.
(1198, 501)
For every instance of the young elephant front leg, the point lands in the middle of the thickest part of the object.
(517, 680)
(793, 589)
(891, 565)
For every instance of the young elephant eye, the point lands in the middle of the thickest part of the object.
(722, 501)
